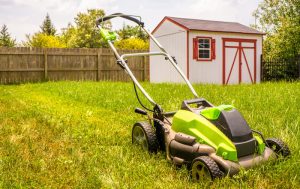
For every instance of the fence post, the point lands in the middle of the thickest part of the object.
(144, 68)
(46, 64)
(99, 63)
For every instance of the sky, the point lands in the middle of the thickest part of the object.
(25, 16)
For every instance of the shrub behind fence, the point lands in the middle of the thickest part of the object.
(281, 69)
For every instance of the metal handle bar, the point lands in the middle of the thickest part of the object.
(128, 17)
(144, 54)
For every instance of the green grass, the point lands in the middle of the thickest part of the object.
(78, 135)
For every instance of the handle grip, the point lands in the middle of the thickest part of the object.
(105, 18)
(199, 101)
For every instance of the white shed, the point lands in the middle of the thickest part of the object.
(207, 51)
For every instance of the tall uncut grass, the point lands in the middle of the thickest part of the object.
(78, 135)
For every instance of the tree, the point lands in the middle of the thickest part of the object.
(44, 41)
(280, 19)
(46, 38)
(69, 36)
(132, 32)
(47, 27)
(132, 44)
(5, 39)
(84, 33)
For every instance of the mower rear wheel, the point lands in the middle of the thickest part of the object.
(278, 146)
(205, 168)
(143, 134)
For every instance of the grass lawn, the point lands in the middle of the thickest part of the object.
(78, 135)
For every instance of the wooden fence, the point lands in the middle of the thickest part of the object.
(280, 69)
(22, 64)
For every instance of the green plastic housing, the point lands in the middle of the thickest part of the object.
(108, 35)
(213, 113)
(205, 132)
(261, 145)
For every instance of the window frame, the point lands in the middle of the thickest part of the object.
(210, 48)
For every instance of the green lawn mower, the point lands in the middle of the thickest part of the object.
(212, 141)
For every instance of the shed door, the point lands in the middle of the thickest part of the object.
(239, 61)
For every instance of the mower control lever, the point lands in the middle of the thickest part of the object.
(173, 57)
(140, 111)
(119, 62)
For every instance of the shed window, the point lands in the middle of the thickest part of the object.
(204, 48)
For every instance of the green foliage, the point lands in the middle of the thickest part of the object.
(132, 38)
(78, 135)
(5, 39)
(69, 36)
(132, 44)
(84, 33)
(132, 32)
(44, 41)
(280, 19)
(47, 27)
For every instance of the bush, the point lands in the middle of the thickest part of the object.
(44, 40)
(132, 44)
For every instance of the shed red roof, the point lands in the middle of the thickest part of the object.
(209, 25)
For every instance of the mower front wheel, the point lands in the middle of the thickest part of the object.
(278, 146)
(205, 168)
(143, 134)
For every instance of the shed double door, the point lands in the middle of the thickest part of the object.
(239, 61)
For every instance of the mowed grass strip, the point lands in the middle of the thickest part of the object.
(78, 135)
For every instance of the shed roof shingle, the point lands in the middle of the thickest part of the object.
(217, 26)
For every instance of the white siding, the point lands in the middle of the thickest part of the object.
(211, 71)
(173, 39)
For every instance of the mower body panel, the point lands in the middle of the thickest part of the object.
(205, 133)
(235, 127)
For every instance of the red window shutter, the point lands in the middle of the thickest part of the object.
(195, 48)
(213, 49)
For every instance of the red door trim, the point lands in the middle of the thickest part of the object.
(187, 56)
(247, 65)
(240, 49)
(238, 46)
(239, 39)
(223, 65)
(255, 62)
(240, 62)
(232, 66)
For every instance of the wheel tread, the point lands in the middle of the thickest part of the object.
(150, 134)
(285, 151)
(212, 166)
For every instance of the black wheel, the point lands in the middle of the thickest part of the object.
(205, 168)
(143, 134)
(278, 146)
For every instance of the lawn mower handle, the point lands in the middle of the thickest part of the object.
(122, 62)
(199, 101)
(128, 17)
